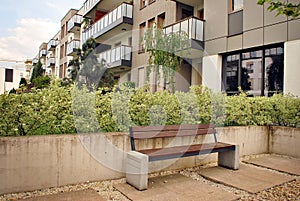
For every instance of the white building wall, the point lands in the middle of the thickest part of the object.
(19, 71)
(212, 72)
(291, 67)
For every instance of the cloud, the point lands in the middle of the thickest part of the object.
(25, 39)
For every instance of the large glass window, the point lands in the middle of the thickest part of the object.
(258, 72)
(9, 75)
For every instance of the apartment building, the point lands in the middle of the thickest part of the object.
(42, 56)
(70, 37)
(247, 46)
(110, 24)
(11, 73)
(52, 57)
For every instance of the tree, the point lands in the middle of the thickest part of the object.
(87, 69)
(164, 49)
(37, 71)
(282, 8)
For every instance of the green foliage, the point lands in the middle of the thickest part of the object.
(162, 48)
(68, 109)
(41, 82)
(282, 8)
(23, 82)
(37, 71)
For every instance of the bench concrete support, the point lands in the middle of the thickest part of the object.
(230, 159)
(137, 170)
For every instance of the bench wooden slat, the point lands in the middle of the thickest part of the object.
(172, 127)
(183, 151)
(176, 133)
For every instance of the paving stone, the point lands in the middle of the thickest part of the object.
(280, 163)
(250, 179)
(84, 195)
(175, 187)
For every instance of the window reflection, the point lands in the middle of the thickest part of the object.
(255, 74)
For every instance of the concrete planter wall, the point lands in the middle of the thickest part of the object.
(36, 162)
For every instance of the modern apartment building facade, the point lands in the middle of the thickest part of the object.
(233, 43)
(247, 46)
(52, 58)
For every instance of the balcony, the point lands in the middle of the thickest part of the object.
(52, 44)
(194, 28)
(50, 62)
(114, 22)
(90, 6)
(43, 53)
(72, 47)
(74, 24)
(118, 59)
(35, 61)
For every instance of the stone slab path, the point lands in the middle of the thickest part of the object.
(84, 195)
(176, 188)
(249, 178)
(280, 163)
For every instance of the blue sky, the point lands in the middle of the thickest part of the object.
(25, 24)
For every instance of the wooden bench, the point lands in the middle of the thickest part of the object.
(137, 160)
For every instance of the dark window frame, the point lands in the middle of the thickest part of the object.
(9, 75)
(263, 58)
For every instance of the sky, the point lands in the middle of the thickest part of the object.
(26, 24)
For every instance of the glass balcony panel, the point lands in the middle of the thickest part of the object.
(169, 30)
(118, 53)
(176, 28)
(109, 18)
(114, 15)
(113, 55)
(119, 12)
(185, 26)
(190, 29)
(129, 11)
(199, 30)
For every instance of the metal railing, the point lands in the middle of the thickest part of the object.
(43, 53)
(74, 44)
(76, 19)
(50, 61)
(89, 4)
(192, 26)
(52, 44)
(116, 54)
(124, 10)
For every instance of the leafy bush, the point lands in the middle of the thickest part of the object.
(58, 109)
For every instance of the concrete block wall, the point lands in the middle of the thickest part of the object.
(37, 162)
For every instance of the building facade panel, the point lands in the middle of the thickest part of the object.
(294, 29)
(253, 15)
(275, 33)
(235, 43)
(253, 38)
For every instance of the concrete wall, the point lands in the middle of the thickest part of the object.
(212, 72)
(37, 162)
(285, 141)
(291, 67)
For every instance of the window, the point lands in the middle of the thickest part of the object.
(258, 72)
(145, 3)
(9, 75)
(142, 31)
(236, 5)
(161, 20)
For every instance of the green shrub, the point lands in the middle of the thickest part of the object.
(58, 109)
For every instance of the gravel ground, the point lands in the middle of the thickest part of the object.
(288, 191)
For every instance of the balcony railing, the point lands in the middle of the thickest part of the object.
(50, 62)
(74, 22)
(52, 44)
(114, 57)
(43, 53)
(192, 26)
(72, 47)
(89, 4)
(109, 21)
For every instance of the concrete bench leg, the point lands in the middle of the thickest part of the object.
(137, 170)
(230, 159)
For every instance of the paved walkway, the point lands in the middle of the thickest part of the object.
(280, 163)
(176, 188)
(84, 195)
(249, 178)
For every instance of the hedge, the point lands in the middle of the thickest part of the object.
(59, 110)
